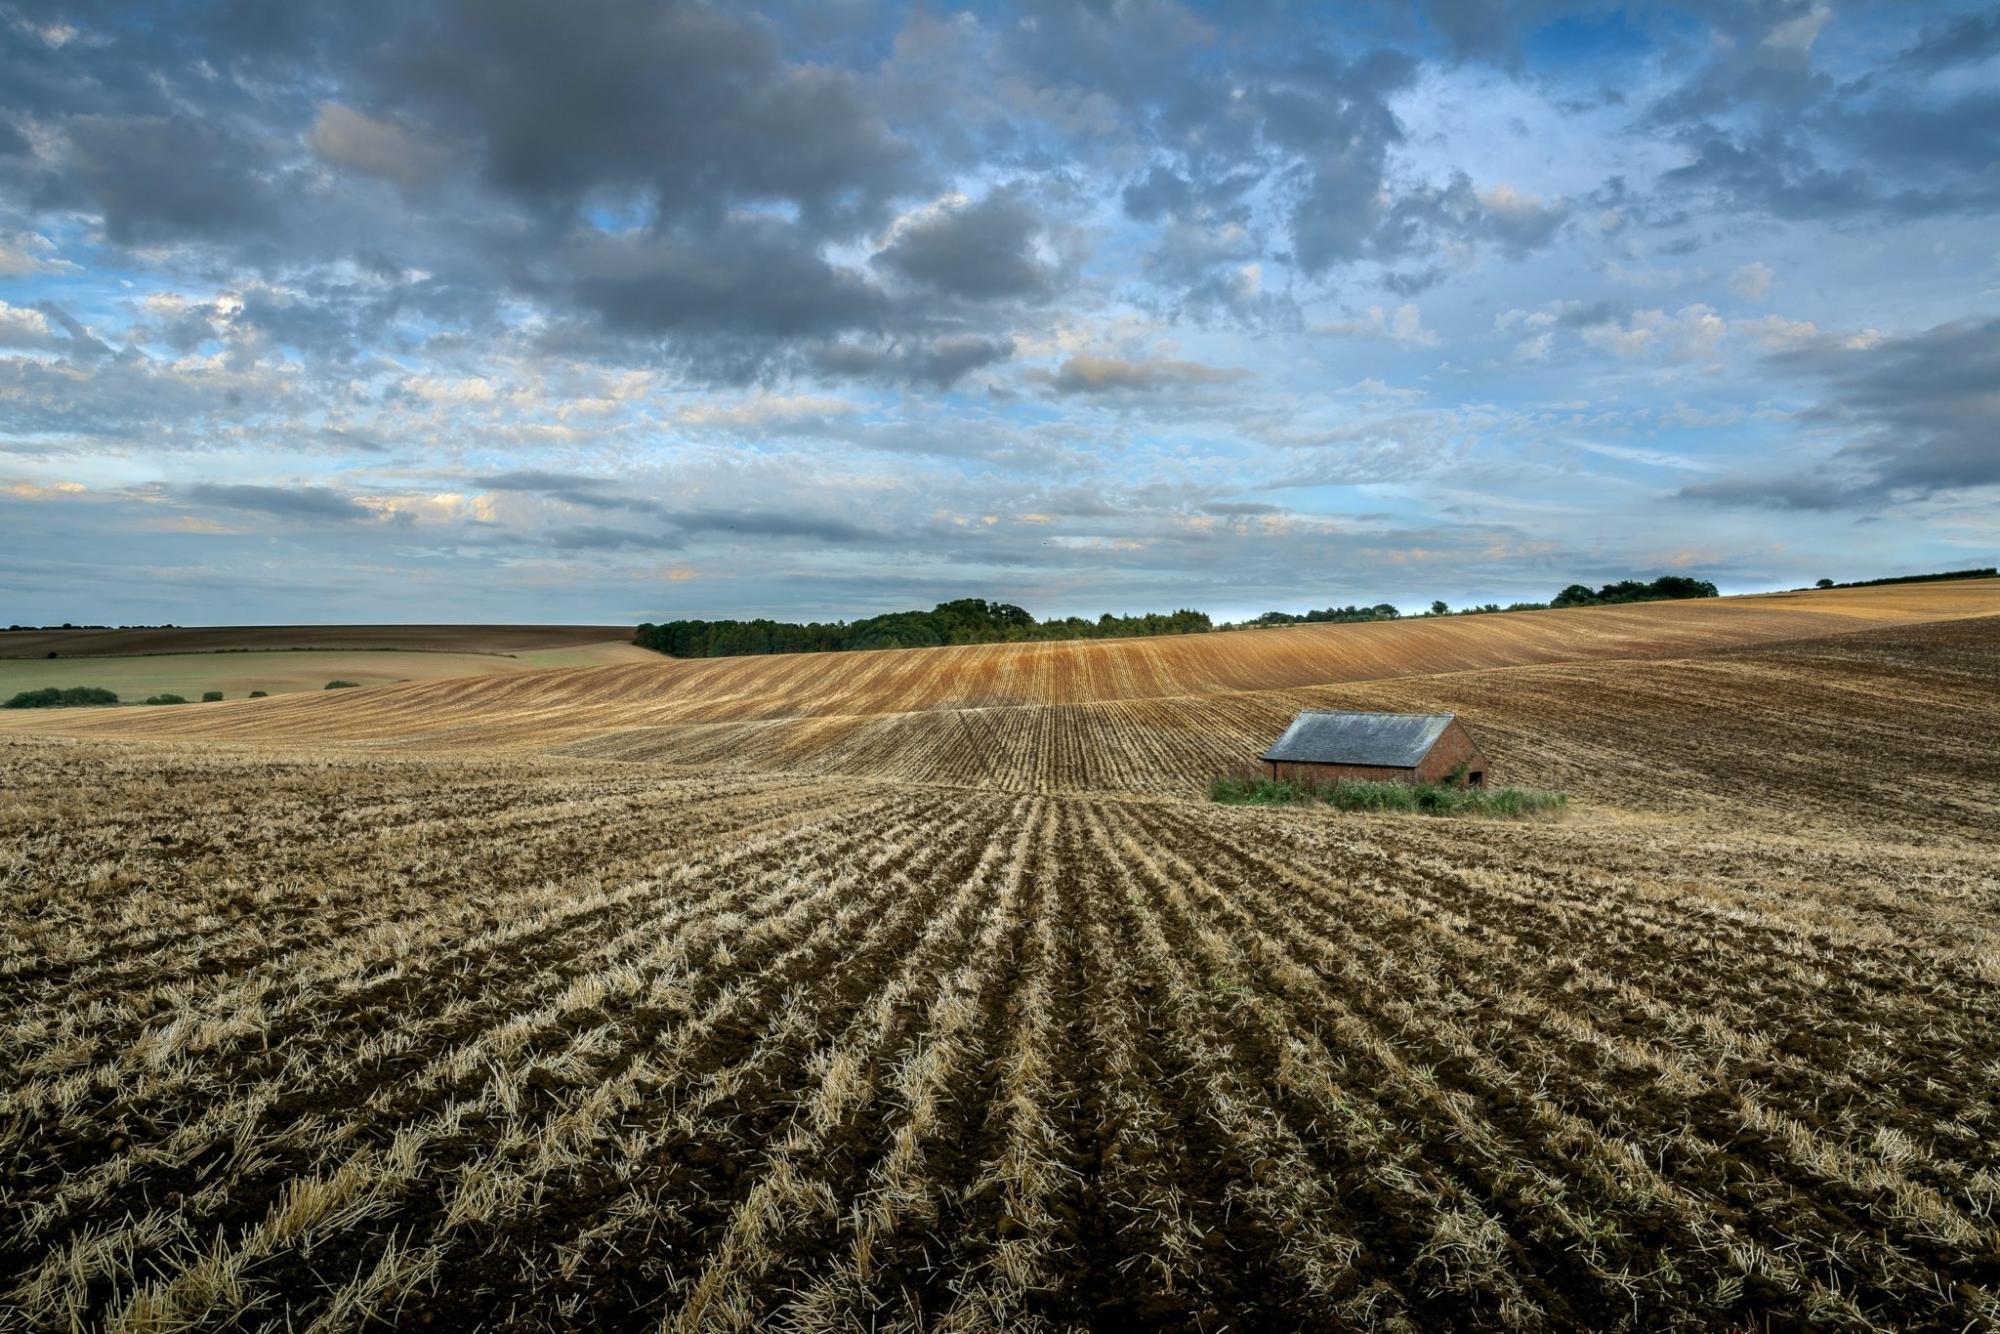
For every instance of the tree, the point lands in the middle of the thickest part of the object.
(1576, 595)
(1824, 583)
(1438, 608)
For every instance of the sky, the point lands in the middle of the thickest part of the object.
(606, 311)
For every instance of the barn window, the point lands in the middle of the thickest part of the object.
(1477, 778)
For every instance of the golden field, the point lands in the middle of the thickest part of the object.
(923, 990)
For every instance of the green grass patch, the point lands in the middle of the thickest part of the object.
(342, 685)
(56, 697)
(1418, 798)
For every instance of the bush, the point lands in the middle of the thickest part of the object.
(342, 685)
(55, 697)
(166, 699)
(1356, 795)
(259, 694)
(210, 696)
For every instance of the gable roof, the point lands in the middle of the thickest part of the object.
(1381, 740)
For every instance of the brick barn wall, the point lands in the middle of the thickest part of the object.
(1297, 772)
(1452, 749)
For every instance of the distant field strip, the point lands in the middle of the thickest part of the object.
(555, 1044)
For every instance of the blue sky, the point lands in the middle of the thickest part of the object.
(612, 311)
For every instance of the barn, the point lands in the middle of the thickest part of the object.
(1322, 747)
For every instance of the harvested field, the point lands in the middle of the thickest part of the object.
(790, 1022)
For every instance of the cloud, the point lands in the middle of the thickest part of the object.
(1519, 222)
(1689, 334)
(311, 503)
(693, 105)
(21, 327)
(1752, 281)
(1775, 333)
(769, 523)
(1925, 407)
(1405, 324)
(600, 493)
(160, 178)
(1964, 39)
(33, 491)
(939, 363)
(345, 137)
(676, 525)
(983, 251)
(730, 298)
(596, 537)
(1083, 374)
(28, 253)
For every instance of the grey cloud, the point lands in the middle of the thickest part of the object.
(593, 537)
(1156, 194)
(537, 480)
(83, 345)
(765, 523)
(1776, 492)
(981, 251)
(596, 493)
(1414, 282)
(1927, 407)
(754, 278)
(155, 178)
(1773, 71)
(1423, 218)
(599, 493)
(939, 362)
(690, 103)
(1487, 29)
(1965, 40)
(1962, 135)
(1586, 314)
(318, 503)
(1336, 118)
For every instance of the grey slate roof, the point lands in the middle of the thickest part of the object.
(1384, 740)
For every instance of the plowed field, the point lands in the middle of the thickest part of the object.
(817, 1020)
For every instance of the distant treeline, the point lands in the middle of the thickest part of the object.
(966, 621)
(1988, 573)
(1381, 611)
(1663, 589)
(1666, 587)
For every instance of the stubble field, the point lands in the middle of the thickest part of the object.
(854, 1021)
